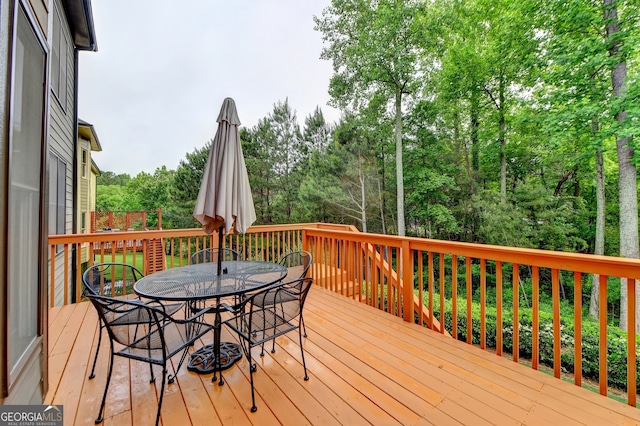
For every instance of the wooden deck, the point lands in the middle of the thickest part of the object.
(365, 367)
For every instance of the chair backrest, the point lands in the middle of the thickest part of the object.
(212, 255)
(129, 320)
(110, 279)
(286, 299)
(297, 264)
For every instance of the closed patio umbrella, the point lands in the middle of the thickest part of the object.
(224, 202)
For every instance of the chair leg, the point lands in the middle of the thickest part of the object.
(164, 379)
(253, 395)
(304, 327)
(153, 378)
(95, 358)
(304, 364)
(100, 419)
(172, 377)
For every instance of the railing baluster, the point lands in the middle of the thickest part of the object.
(469, 296)
(577, 327)
(420, 288)
(78, 295)
(499, 333)
(602, 371)
(535, 304)
(555, 294)
(515, 283)
(631, 343)
(483, 303)
(442, 325)
(389, 286)
(431, 287)
(52, 284)
(454, 296)
(66, 275)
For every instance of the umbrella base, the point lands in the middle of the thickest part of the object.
(203, 361)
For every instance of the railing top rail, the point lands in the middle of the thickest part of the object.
(579, 262)
(168, 233)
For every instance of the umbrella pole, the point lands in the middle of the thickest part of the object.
(220, 249)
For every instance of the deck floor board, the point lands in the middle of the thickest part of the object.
(365, 367)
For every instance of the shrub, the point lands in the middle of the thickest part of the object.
(616, 340)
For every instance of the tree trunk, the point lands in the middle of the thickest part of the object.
(475, 144)
(594, 309)
(627, 184)
(399, 171)
(363, 204)
(381, 190)
(502, 140)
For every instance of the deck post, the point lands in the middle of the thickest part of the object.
(407, 281)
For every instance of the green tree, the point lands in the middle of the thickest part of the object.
(110, 178)
(620, 40)
(288, 153)
(374, 47)
(184, 190)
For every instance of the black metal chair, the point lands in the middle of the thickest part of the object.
(267, 314)
(212, 255)
(297, 264)
(113, 280)
(147, 333)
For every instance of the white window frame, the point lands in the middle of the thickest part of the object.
(59, 58)
(85, 163)
(57, 196)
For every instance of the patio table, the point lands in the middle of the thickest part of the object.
(198, 284)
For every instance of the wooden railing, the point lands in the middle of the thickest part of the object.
(137, 247)
(387, 272)
(426, 281)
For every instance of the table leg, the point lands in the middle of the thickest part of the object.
(217, 356)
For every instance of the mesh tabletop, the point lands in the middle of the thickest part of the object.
(200, 281)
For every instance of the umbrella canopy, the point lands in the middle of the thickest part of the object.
(224, 202)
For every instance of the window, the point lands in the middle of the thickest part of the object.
(59, 59)
(85, 159)
(83, 223)
(24, 206)
(57, 195)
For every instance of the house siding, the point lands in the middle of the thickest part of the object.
(62, 127)
(84, 195)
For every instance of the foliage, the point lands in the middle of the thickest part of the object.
(484, 117)
(616, 339)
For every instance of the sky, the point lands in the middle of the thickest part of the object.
(155, 86)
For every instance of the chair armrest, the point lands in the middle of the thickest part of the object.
(229, 308)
